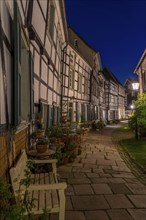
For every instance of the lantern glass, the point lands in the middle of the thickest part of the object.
(135, 86)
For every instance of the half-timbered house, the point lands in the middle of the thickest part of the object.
(80, 87)
(141, 72)
(115, 96)
(32, 36)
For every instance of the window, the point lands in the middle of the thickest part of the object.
(75, 42)
(51, 20)
(71, 79)
(86, 86)
(79, 83)
(72, 59)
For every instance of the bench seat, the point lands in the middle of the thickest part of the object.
(44, 192)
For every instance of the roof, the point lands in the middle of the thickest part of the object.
(69, 27)
(110, 76)
(140, 61)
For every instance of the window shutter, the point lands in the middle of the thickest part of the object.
(50, 118)
(16, 77)
(31, 70)
(51, 22)
(59, 119)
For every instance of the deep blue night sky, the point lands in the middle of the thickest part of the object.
(115, 28)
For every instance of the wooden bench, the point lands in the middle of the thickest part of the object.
(44, 192)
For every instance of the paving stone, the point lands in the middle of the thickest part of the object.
(76, 164)
(96, 215)
(104, 175)
(101, 188)
(124, 175)
(64, 169)
(99, 180)
(138, 200)
(119, 188)
(92, 175)
(119, 214)
(79, 169)
(106, 167)
(120, 163)
(79, 175)
(116, 180)
(121, 168)
(106, 162)
(94, 166)
(69, 190)
(113, 157)
(138, 214)
(68, 205)
(83, 189)
(111, 171)
(133, 180)
(138, 188)
(78, 180)
(65, 175)
(74, 215)
(89, 161)
(89, 202)
(118, 201)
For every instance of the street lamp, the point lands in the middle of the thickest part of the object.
(135, 86)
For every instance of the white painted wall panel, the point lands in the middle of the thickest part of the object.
(53, 55)
(21, 10)
(10, 6)
(50, 78)
(2, 99)
(36, 63)
(5, 19)
(67, 71)
(43, 94)
(66, 81)
(36, 90)
(66, 92)
(44, 72)
(24, 4)
(49, 96)
(55, 84)
(67, 60)
(58, 100)
(48, 46)
(43, 6)
(38, 21)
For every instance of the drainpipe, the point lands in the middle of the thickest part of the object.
(62, 71)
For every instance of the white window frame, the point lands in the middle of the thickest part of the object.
(71, 78)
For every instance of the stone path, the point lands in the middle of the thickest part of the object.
(100, 185)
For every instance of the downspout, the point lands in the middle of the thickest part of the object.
(90, 97)
(62, 71)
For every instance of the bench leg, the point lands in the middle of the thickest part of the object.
(62, 205)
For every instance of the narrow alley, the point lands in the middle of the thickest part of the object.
(100, 185)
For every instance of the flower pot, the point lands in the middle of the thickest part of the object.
(40, 134)
(41, 148)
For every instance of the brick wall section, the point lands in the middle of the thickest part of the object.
(19, 143)
(20, 140)
(3, 156)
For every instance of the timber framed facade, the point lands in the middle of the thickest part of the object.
(114, 96)
(80, 83)
(141, 72)
(46, 67)
(33, 34)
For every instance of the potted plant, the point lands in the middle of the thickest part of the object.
(42, 145)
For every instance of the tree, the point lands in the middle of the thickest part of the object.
(140, 104)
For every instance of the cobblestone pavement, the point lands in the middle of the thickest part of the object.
(100, 185)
